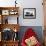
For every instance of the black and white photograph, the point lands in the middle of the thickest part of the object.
(29, 13)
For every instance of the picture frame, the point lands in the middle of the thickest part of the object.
(5, 12)
(29, 13)
(13, 12)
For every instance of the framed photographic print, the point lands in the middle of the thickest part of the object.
(29, 13)
(5, 12)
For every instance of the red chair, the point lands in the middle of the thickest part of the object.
(29, 33)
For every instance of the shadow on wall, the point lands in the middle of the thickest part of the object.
(37, 29)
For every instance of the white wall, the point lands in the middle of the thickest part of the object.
(27, 4)
(39, 13)
(7, 3)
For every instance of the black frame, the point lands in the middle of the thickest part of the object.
(30, 16)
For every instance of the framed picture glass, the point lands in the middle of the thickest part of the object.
(5, 12)
(29, 13)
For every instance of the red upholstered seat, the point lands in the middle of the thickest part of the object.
(29, 33)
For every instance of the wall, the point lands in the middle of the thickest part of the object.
(7, 3)
(27, 4)
(39, 13)
(36, 29)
